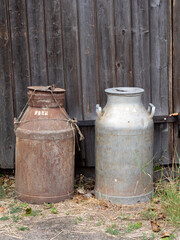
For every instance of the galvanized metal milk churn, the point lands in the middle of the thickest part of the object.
(44, 148)
(124, 147)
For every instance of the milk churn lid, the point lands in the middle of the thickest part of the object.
(124, 90)
(47, 89)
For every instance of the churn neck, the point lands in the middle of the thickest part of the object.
(46, 96)
(124, 95)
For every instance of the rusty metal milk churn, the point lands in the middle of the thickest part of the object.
(124, 147)
(44, 148)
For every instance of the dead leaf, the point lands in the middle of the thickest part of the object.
(13, 185)
(48, 205)
(156, 200)
(79, 198)
(1, 209)
(81, 190)
(103, 204)
(165, 234)
(155, 227)
(161, 216)
(88, 195)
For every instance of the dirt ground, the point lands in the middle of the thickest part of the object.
(82, 217)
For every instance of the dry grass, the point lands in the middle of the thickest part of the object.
(89, 214)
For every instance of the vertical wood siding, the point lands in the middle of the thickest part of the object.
(20, 52)
(176, 70)
(86, 46)
(6, 100)
(54, 48)
(123, 42)
(160, 55)
(141, 47)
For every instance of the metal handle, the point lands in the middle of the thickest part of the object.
(151, 110)
(98, 110)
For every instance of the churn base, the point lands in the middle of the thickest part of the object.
(41, 199)
(124, 200)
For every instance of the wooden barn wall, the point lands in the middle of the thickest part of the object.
(86, 46)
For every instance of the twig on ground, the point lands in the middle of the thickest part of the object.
(81, 232)
(56, 235)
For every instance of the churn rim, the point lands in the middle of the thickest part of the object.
(124, 91)
(46, 89)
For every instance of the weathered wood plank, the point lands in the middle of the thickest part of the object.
(106, 46)
(20, 52)
(141, 53)
(6, 102)
(123, 40)
(159, 23)
(160, 57)
(71, 58)
(176, 69)
(37, 42)
(89, 73)
(88, 57)
(54, 42)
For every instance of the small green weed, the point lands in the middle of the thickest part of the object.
(23, 205)
(35, 213)
(15, 218)
(114, 225)
(54, 210)
(4, 218)
(11, 205)
(75, 222)
(10, 225)
(99, 223)
(43, 214)
(68, 213)
(150, 214)
(16, 209)
(144, 236)
(30, 212)
(22, 228)
(153, 236)
(113, 230)
(90, 218)
(78, 219)
(133, 226)
(48, 205)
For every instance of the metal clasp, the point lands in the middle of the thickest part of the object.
(151, 110)
(98, 110)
